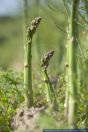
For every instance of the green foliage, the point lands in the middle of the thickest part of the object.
(11, 95)
(82, 114)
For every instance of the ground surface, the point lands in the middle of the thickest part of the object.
(35, 119)
(26, 120)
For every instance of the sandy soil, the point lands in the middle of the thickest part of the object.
(25, 120)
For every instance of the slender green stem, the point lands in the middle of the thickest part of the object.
(67, 79)
(50, 93)
(25, 19)
(72, 68)
(66, 10)
(48, 87)
(83, 18)
(28, 74)
(66, 95)
(26, 12)
(28, 62)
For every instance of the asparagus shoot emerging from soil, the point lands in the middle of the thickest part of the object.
(50, 94)
(28, 60)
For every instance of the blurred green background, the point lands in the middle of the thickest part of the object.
(51, 34)
(48, 36)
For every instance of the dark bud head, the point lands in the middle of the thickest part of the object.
(36, 21)
(51, 53)
(33, 27)
(46, 59)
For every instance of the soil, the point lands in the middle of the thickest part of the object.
(35, 119)
(25, 120)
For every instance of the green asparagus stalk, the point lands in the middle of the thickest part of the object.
(28, 62)
(66, 79)
(72, 67)
(50, 93)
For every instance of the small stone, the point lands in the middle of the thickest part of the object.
(29, 116)
(21, 113)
